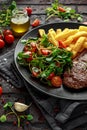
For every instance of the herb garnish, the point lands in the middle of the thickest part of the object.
(63, 12)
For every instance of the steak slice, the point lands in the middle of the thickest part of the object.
(76, 78)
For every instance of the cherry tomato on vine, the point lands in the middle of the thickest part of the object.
(7, 32)
(2, 43)
(1, 90)
(9, 39)
(56, 81)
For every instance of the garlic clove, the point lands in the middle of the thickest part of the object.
(20, 107)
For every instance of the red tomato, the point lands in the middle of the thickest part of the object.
(35, 23)
(61, 9)
(33, 44)
(26, 48)
(2, 43)
(29, 10)
(45, 52)
(34, 48)
(34, 74)
(9, 39)
(51, 75)
(1, 37)
(30, 56)
(1, 90)
(61, 44)
(6, 32)
(56, 81)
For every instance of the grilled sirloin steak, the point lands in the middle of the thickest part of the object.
(76, 78)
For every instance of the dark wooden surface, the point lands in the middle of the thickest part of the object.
(10, 93)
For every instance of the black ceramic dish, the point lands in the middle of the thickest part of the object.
(61, 92)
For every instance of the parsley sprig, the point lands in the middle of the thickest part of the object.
(67, 15)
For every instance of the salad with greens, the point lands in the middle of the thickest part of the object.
(44, 61)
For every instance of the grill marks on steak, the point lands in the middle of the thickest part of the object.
(76, 78)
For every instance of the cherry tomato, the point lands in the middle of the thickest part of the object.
(34, 74)
(35, 23)
(30, 56)
(61, 44)
(1, 90)
(9, 39)
(56, 81)
(26, 48)
(45, 52)
(34, 48)
(1, 37)
(51, 75)
(61, 9)
(29, 10)
(2, 43)
(6, 32)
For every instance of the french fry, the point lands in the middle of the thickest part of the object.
(66, 34)
(51, 39)
(58, 31)
(83, 28)
(52, 31)
(77, 47)
(85, 45)
(41, 32)
(74, 37)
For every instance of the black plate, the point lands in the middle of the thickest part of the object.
(55, 92)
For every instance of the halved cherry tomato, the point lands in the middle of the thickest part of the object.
(34, 48)
(30, 56)
(9, 39)
(1, 90)
(34, 74)
(2, 43)
(35, 23)
(45, 51)
(61, 44)
(29, 10)
(26, 48)
(51, 75)
(56, 81)
(61, 9)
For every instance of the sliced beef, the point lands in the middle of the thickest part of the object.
(76, 78)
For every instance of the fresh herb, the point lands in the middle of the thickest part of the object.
(63, 12)
(10, 106)
(6, 13)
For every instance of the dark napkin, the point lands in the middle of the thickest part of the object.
(60, 114)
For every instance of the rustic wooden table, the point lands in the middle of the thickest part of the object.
(10, 93)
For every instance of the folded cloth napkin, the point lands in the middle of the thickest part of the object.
(59, 113)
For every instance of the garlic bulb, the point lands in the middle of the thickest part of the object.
(20, 107)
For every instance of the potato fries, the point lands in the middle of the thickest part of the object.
(75, 40)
